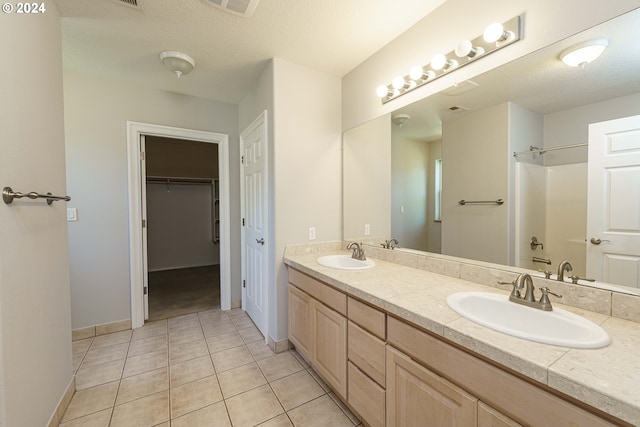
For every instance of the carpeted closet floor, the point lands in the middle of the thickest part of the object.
(183, 291)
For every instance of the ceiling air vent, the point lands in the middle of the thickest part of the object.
(136, 4)
(243, 8)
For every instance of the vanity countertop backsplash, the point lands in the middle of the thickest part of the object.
(414, 287)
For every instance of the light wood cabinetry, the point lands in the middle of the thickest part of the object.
(489, 417)
(418, 397)
(366, 397)
(300, 321)
(330, 347)
(395, 374)
(319, 331)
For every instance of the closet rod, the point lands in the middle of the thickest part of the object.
(534, 150)
(171, 180)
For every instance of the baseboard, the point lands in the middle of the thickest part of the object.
(58, 413)
(94, 331)
(279, 346)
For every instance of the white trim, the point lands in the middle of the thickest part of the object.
(258, 121)
(134, 131)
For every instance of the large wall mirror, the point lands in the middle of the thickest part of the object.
(407, 173)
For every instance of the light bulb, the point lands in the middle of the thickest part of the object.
(465, 48)
(438, 61)
(382, 91)
(416, 73)
(398, 82)
(494, 32)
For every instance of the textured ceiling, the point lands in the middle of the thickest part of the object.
(540, 82)
(107, 38)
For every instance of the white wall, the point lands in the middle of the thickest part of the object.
(530, 215)
(367, 179)
(572, 127)
(96, 112)
(179, 227)
(545, 22)
(566, 215)
(35, 325)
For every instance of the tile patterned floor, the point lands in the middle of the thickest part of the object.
(203, 369)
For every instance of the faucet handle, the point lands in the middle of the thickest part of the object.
(544, 299)
(575, 278)
(515, 292)
(547, 274)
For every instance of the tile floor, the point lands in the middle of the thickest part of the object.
(210, 368)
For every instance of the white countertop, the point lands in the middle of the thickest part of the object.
(607, 378)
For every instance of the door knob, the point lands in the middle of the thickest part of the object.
(598, 241)
(261, 241)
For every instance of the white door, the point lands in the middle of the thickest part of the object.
(613, 214)
(253, 145)
(143, 204)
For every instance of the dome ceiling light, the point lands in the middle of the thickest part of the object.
(584, 53)
(178, 62)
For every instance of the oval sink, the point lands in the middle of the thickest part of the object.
(345, 262)
(557, 327)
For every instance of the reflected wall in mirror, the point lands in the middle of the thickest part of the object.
(478, 125)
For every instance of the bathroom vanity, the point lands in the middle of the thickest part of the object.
(386, 342)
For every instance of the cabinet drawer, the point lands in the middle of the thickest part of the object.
(366, 397)
(366, 352)
(368, 318)
(324, 293)
(489, 417)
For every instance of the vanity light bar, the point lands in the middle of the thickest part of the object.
(495, 37)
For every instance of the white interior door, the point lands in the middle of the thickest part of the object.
(143, 204)
(613, 215)
(253, 143)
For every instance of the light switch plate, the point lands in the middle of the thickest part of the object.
(72, 214)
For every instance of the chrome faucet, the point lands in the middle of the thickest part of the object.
(564, 267)
(358, 251)
(390, 244)
(525, 282)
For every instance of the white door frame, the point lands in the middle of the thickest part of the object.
(137, 269)
(260, 120)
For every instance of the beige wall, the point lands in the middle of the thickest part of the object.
(96, 112)
(545, 21)
(35, 325)
(304, 165)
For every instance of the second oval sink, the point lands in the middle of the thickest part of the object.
(345, 262)
(558, 327)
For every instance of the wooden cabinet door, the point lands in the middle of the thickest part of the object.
(330, 347)
(418, 397)
(300, 321)
(489, 417)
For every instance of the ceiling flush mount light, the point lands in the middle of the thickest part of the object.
(584, 53)
(178, 62)
(400, 119)
(495, 37)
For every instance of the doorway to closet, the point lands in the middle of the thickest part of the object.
(137, 133)
(183, 226)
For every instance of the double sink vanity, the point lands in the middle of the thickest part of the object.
(409, 340)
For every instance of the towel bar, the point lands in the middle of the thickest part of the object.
(8, 195)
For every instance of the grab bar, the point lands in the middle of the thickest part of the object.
(8, 195)
(481, 202)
